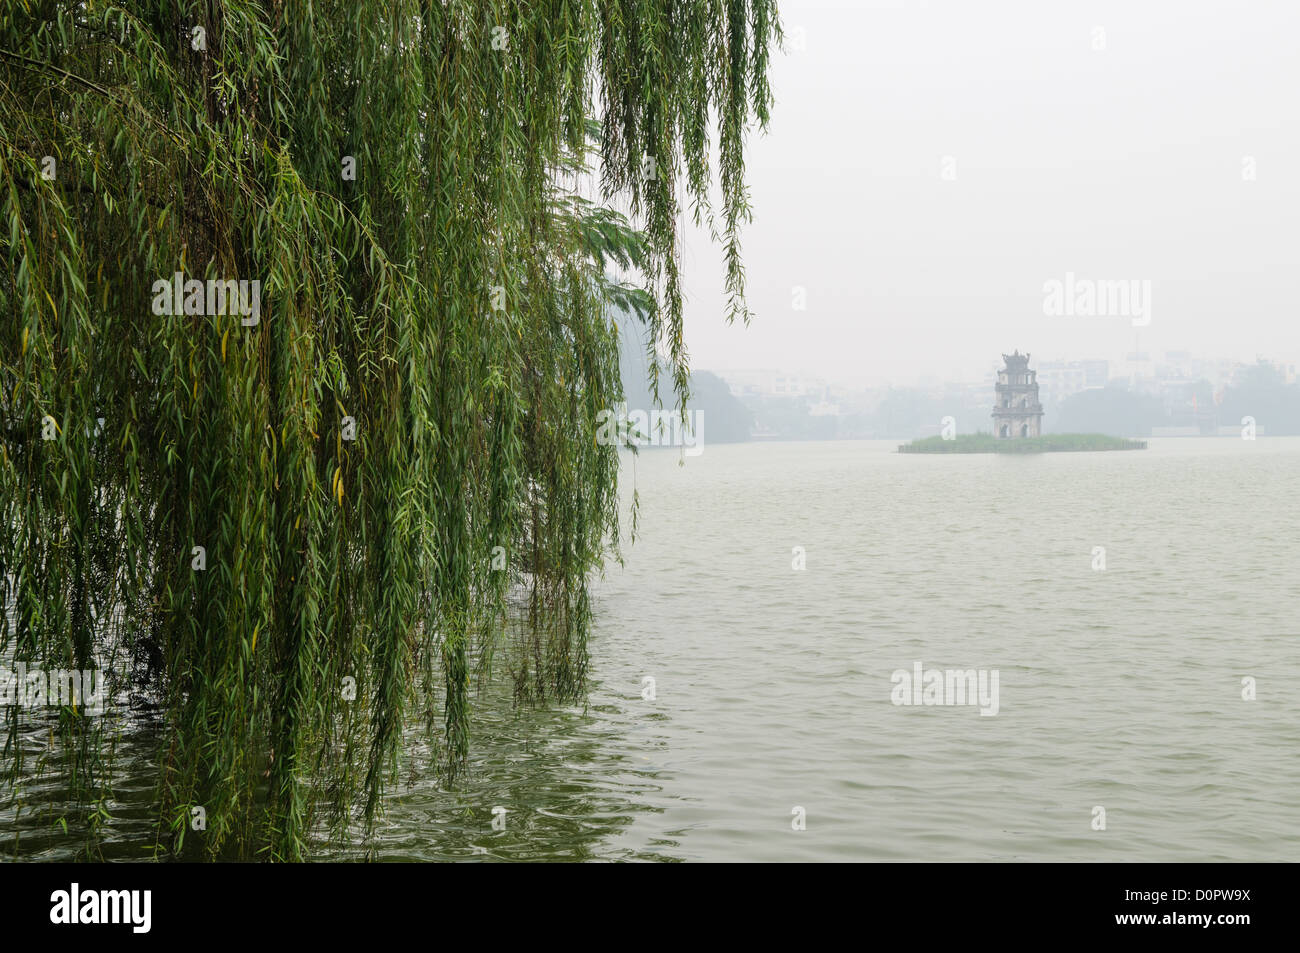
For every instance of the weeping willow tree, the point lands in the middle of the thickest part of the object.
(291, 517)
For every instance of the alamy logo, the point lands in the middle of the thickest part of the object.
(36, 688)
(1086, 298)
(951, 687)
(658, 428)
(215, 296)
(103, 906)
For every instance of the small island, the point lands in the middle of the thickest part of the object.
(1018, 422)
(1048, 443)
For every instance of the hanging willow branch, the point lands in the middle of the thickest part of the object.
(291, 525)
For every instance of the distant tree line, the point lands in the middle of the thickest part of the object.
(1259, 391)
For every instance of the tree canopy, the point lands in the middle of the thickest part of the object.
(292, 526)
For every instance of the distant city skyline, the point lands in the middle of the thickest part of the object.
(1155, 359)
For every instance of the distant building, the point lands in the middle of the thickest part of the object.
(750, 383)
(824, 409)
(1061, 379)
(774, 383)
(1095, 373)
(1016, 409)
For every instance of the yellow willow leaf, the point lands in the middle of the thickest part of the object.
(253, 647)
(223, 345)
(25, 330)
(52, 305)
(340, 492)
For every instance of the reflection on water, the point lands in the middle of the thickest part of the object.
(565, 777)
(1119, 688)
(569, 780)
(39, 822)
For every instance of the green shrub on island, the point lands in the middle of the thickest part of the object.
(1048, 443)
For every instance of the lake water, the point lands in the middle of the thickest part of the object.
(1118, 688)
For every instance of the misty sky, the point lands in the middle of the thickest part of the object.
(1123, 163)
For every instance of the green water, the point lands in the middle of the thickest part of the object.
(1118, 688)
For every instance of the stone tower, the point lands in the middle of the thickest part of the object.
(1016, 410)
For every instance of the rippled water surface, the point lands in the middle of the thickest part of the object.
(1119, 688)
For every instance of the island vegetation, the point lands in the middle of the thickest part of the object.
(1048, 443)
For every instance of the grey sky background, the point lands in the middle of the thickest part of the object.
(1121, 163)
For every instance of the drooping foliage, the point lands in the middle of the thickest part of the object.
(288, 529)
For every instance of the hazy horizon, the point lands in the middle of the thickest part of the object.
(930, 166)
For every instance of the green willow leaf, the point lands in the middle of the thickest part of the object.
(394, 463)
